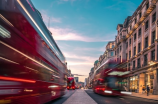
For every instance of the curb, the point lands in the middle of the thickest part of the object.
(144, 98)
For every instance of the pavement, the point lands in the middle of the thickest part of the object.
(100, 99)
(87, 96)
(144, 95)
(80, 97)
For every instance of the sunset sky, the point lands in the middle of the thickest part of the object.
(82, 28)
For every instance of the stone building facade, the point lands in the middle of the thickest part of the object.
(109, 53)
(137, 47)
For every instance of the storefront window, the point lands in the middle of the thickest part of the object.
(133, 83)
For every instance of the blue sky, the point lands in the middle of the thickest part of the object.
(82, 28)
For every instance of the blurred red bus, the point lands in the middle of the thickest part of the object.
(108, 80)
(70, 83)
(32, 67)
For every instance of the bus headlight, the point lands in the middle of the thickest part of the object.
(127, 93)
(106, 91)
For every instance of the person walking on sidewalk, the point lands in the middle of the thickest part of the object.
(143, 89)
(147, 89)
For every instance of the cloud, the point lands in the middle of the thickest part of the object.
(80, 59)
(78, 75)
(129, 5)
(67, 0)
(50, 19)
(102, 49)
(62, 1)
(71, 35)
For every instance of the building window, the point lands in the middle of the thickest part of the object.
(120, 48)
(140, 32)
(126, 44)
(129, 41)
(126, 56)
(154, 17)
(118, 51)
(153, 36)
(146, 24)
(117, 59)
(134, 50)
(129, 66)
(145, 60)
(133, 64)
(147, 5)
(129, 54)
(112, 54)
(138, 63)
(139, 47)
(140, 15)
(153, 55)
(120, 58)
(135, 20)
(146, 42)
(112, 46)
(135, 36)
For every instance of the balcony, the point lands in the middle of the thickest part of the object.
(139, 53)
(146, 49)
(133, 69)
(144, 16)
(138, 67)
(145, 64)
(122, 38)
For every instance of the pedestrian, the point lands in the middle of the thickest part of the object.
(148, 89)
(143, 89)
(125, 88)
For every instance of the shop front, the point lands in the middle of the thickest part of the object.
(133, 87)
(149, 77)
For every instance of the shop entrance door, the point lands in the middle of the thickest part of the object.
(141, 82)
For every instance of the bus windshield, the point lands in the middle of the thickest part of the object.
(115, 83)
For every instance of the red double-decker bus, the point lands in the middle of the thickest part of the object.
(32, 67)
(109, 80)
(70, 83)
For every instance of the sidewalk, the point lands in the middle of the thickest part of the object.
(150, 97)
(80, 97)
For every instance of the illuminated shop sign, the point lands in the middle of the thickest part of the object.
(118, 73)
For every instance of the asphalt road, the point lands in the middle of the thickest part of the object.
(100, 99)
(63, 98)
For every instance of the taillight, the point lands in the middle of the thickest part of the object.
(103, 89)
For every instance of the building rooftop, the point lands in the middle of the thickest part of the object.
(96, 62)
(92, 68)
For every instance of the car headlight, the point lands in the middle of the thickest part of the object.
(106, 91)
(127, 93)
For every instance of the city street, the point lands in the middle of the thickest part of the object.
(118, 100)
(63, 98)
(75, 52)
(80, 97)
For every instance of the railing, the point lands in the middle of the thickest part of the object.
(138, 66)
(145, 64)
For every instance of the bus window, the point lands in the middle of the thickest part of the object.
(113, 82)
